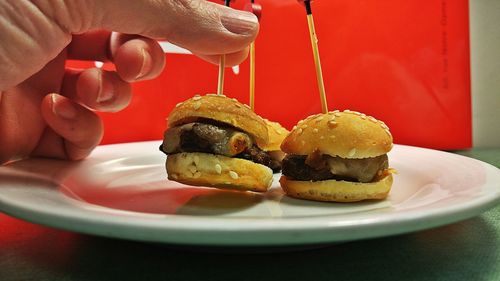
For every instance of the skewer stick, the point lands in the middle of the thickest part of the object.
(252, 75)
(256, 9)
(222, 66)
(317, 62)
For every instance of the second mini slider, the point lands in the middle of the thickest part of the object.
(216, 141)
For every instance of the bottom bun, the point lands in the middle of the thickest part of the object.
(203, 169)
(337, 191)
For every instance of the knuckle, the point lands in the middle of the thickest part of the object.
(72, 16)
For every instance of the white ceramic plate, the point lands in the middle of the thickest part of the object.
(121, 191)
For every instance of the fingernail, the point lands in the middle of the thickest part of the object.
(239, 22)
(146, 64)
(63, 108)
(106, 89)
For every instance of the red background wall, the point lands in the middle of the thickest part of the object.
(404, 62)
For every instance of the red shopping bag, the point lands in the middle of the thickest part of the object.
(404, 62)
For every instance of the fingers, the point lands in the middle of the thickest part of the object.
(80, 128)
(136, 58)
(97, 89)
(201, 26)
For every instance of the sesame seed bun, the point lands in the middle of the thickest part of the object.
(337, 191)
(346, 134)
(222, 109)
(277, 134)
(210, 170)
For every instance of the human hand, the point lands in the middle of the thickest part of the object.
(47, 109)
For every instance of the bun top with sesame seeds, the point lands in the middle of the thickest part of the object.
(277, 134)
(347, 134)
(221, 109)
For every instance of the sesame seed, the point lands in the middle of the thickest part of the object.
(218, 168)
(332, 124)
(235, 100)
(336, 111)
(197, 97)
(305, 126)
(233, 175)
(338, 114)
(299, 131)
(322, 138)
(363, 116)
(347, 111)
(247, 106)
(197, 175)
(300, 122)
(219, 108)
(387, 132)
(372, 119)
(332, 137)
(196, 106)
(237, 105)
(352, 152)
(179, 104)
(279, 132)
(315, 130)
(174, 176)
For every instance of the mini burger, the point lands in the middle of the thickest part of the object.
(276, 134)
(338, 156)
(216, 141)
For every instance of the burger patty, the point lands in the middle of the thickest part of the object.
(317, 167)
(215, 139)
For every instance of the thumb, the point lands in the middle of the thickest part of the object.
(203, 27)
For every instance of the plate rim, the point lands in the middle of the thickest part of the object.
(407, 221)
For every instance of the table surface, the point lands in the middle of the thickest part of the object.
(468, 250)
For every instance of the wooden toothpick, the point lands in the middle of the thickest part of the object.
(252, 76)
(222, 65)
(317, 62)
(256, 9)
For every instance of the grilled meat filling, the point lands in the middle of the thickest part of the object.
(317, 167)
(215, 139)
